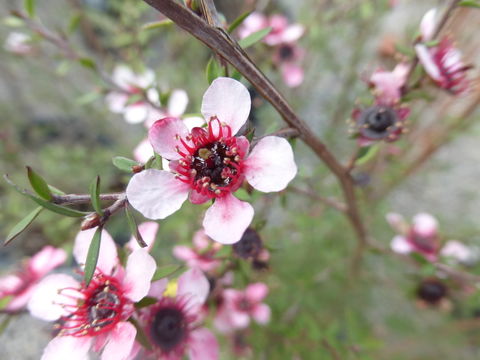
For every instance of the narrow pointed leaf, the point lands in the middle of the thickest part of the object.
(166, 270)
(366, 154)
(146, 301)
(254, 38)
(124, 163)
(39, 184)
(22, 225)
(132, 224)
(92, 256)
(95, 195)
(29, 7)
(157, 24)
(213, 70)
(238, 21)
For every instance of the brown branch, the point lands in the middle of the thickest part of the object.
(84, 199)
(220, 42)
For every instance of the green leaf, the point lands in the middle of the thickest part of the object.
(13, 21)
(366, 154)
(146, 301)
(55, 190)
(405, 50)
(124, 163)
(74, 22)
(29, 7)
(132, 224)
(47, 205)
(92, 256)
(238, 21)
(87, 98)
(213, 70)
(157, 24)
(166, 270)
(254, 38)
(4, 301)
(88, 63)
(95, 195)
(141, 337)
(419, 258)
(470, 3)
(22, 225)
(38, 184)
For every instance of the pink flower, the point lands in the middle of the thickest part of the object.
(459, 252)
(20, 286)
(212, 163)
(420, 237)
(202, 255)
(172, 325)
(148, 231)
(239, 307)
(18, 43)
(287, 57)
(388, 84)
(94, 316)
(130, 84)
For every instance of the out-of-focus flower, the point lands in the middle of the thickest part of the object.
(387, 85)
(419, 237)
(148, 231)
(432, 291)
(459, 252)
(238, 307)
(172, 324)
(94, 316)
(18, 287)
(18, 43)
(130, 84)
(202, 255)
(379, 122)
(212, 163)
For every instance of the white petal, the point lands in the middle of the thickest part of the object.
(123, 76)
(425, 224)
(270, 165)
(120, 343)
(177, 103)
(427, 61)
(136, 113)
(427, 25)
(193, 285)
(67, 347)
(139, 271)
(156, 193)
(116, 102)
(143, 152)
(293, 33)
(193, 121)
(227, 219)
(400, 245)
(229, 100)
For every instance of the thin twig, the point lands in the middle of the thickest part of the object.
(70, 199)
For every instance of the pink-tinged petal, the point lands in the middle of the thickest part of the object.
(156, 193)
(397, 222)
(254, 22)
(363, 141)
(177, 103)
(154, 114)
(100, 341)
(428, 25)
(193, 121)
(9, 283)
(165, 134)
(227, 219)
(153, 97)
(143, 152)
(292, 33)
(197, 198)
(67, 347)
(270, 165)
(292, 74)
(21, 300)
(46, 301)
(46, 260)
(136, 113)
(261, 313)
(458, 251)
(123, 76)
(157, 288)
(400, 245)
(203, 345)
(243, 146)
(145, 79)
(184, 253)
(139, 271)
(18, 43)
(428, 62)
(256, 292)
(148, 230)
(239, 320)
(425, 225)
(107, 258)
(228, 100)
(200, 240)
(193, 285)
(121, 342)
(116, 102)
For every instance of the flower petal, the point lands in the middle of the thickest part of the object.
(184, 253)
(227, 219)
(292, 74)
(458, 251)
(107, 258)
(203, 345)
(123, 76)
(193, 121)
(120, 342)
(194, 285)
(46, 302)
(165, 134)
(228, 100)
(46, 260)
(397, 222)
(293, 33)
(428, 62)
(400, 245)
(425, 224)
(158, 288)
(139, 271)
(136, 113)
(256, 292)
(427, 25)
(143, 152)
(148, 230)
(67, 347)
(116, 102)
(261, 313)
(177, 103)
(197, 198)
(156, 193)
(270, 165)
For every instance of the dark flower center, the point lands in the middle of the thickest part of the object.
(244, 305)
(103, 305)
(169, 328)
(249, 245)
(377, 122)
(431, 291)
(215, 164)
(286, 52)
(422, 243)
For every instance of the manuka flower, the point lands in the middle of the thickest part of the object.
(212, 163)
(18, 287)
(94, 316)
(420, 237)
(387, 85)
(442, 62)
(202, 255)
(237, 307)
(18, 43)
(130, 84)
(172, 323)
